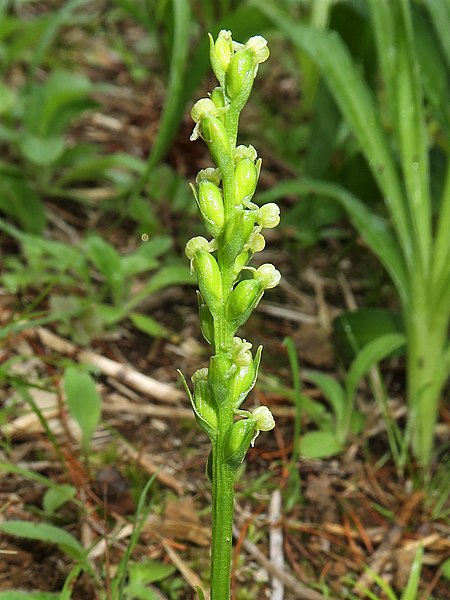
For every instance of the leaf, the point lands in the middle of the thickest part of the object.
(319, 444)
(45, 533)
(173, 107)
(149, 571)
(21, 202)
(356, 103)
(148, 325)
(369, 356)
(372, 228)
(108, 261)
(412, 587)
(83, 401)
(56, 496)
(332, 390)
(168, 275)
(42, 151)
(352, 330)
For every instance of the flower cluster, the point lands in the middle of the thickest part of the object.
(229, 288)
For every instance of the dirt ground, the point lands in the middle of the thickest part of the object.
(353, 510)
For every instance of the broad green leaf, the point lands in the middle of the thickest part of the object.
(96, 167)
(370, 355)
(352, 330)
(42, 151)
(166, 276)
(83, 401)
(320, 444)
(56, 496)
(45, 533)
(357, 105)
(149, 571)
(332, 390)
(148, 325)
(20, 201)
(108, 261)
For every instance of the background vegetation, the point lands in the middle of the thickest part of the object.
(351, 117)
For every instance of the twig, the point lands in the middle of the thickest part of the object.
(192, 578)
(276, 544)
(382, 554)
(124, 373)
(302, 591)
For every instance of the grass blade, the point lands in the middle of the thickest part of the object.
(372, 228)
(357, 105)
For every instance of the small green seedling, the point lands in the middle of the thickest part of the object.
(229, 289)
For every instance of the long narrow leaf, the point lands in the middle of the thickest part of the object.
(440, 15)
(45, 533)
(372, 228)
(412, 137)
(356, 103)
(412, 587)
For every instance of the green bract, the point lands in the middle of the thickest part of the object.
(229, 289)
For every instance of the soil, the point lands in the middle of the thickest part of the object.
(353, 510)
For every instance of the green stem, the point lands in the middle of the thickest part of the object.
(222, 519)
(427, 371)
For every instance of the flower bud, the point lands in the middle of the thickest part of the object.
(244, 380)
(210, 174)
(264, 418)
(220, 53)
(269, 215)
(268, 276)
(258, 46)
(211, 206)
(256, 242)
(216, 138)
(240, 76)
(204, 109)
(209, 279)
(241, 152)
(196, 243)
(206, 409)
(240, 352)
(206, 319)
(246, 178)
(237, 232)
(218, 98)
(221, 369)
(237, 441)
(242, 301)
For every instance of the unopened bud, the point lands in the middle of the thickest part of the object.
(240, 75)
(211, 206)
(220, 53)
(237, 441)
(242, 301)
(246, 178)
(209, 278)
(210, 174)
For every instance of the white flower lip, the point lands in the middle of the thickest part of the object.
(264, 418)
(269, 215)
(240, 351)
(268, 275)
(259, 46)
(198, 243)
